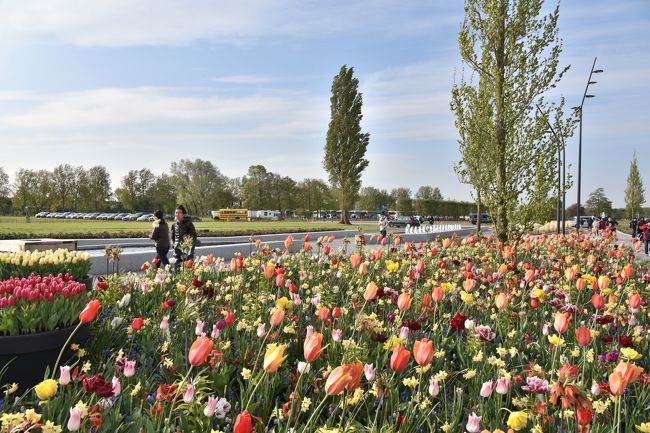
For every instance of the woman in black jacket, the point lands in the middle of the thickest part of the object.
(182, 228)
(160, 235)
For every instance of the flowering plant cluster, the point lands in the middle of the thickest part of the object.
(39, 304)
(24, 263)
(539, 334)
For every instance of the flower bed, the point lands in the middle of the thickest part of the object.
(545, 333)
(39, 304)
(43, 263)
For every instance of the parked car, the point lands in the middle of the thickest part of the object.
(145, 217)
(403, 221)
(90, 216)
(485, 218)
(41, 214)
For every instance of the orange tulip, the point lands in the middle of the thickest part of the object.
(469, 284)
(561, 323)
(355, 370)
(288, 242)
(502, 269)
(628, 371)
(446, 243)
(277, 317)
(530, 274)
(323, 313)
(581, 284)
(399, 359)
(617, 384)
(273, 357)
(423, 351)
(571, 273)
(635, 301)
(371, 291)
(200, 350)
(603, 282)
(628, 271)
(591, 259)
(363, 269)
(501, 300)
(437, 294)
(243, 423)
(597, 301)
(90, 312)
(312, 346)
(355, 260)
(404, 301)
(337, 380)
(583, 336)
(269, 271)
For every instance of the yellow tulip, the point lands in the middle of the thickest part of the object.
(274, 357)
(517, 420)
(46, 389)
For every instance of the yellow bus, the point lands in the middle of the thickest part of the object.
(230, 215)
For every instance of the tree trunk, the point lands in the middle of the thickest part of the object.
(501, 133)
(478, 212)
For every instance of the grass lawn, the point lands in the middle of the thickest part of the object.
(17, 227)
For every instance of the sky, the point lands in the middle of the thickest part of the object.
(130, 84)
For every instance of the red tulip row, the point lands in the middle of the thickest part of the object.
(36, 289)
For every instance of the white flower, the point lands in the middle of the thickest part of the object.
(303, 367)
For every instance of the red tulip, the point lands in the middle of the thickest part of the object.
(200, 350)
(399, 359)
(243, 423)
(90, 312)
(136, 325)
(584, 414)
(598, 301)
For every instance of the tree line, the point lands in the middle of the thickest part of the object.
(201, 187)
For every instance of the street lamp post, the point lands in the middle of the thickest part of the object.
(561, 194)
(584, 96)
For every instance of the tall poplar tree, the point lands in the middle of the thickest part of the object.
(346, 145)
(634, 191)
(514, 52)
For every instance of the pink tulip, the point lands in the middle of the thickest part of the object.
(117, 386)
(369, 372)
(486, 388)
(75, 418)
(210, 407)
(337, 334)
(503, 386)
(261, 330)
(215, 331)
(434, 387)
(164, 323)
(129, 368)
(473, 423)
(64, 375)
(199, 327)
(188, 395)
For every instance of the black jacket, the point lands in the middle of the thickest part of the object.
(182, 229)
(160, 234)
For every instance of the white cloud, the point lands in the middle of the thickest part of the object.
(243, 79)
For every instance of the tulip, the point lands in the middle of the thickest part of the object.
(303, 367)
(517, 420)
(261, 330)
(337, 334)
(503, 386)
(188, 395)
(399, 359)
(277, 317)
(473, 423)
(243, 423)
(617, 384)
(423, 351)
(419, 268)
(583, 336)
(501, 300)
(90, 312)
(288, 242)
(323, 314)
(581, 284)
(64, 375)
(274, 357)
(215, 331)
(117, 386)
(571, 273)
(628, 371)
(164, 323)
(355, 371)
(129, 368)
(434, 387)
(369, 371)
(404, 332)
(200, 350)
(486, 389)
(437, 294)
(46, 389)
(561, 323)
(363, 269)
(628, 271)
(603, 282)
(210, 407)
(137, 323)
(469, 284)
(404, 301)
(337, 380)
(598, 301)
(74, 422)
(584, 414)
(371, 291)
(269, 271)
(634, 301)
(355, 260)
(312, 347)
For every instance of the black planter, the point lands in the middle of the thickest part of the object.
(88, 281)
(29, 355)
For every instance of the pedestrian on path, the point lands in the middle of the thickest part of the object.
(182, 228)
(160, 235)
(383, 224)
(646, 237)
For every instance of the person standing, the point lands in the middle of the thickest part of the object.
(646, 236)
(633, 226)
(182, 228)
(383, 224)
(160, 235)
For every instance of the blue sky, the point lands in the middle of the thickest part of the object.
(131, 84)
